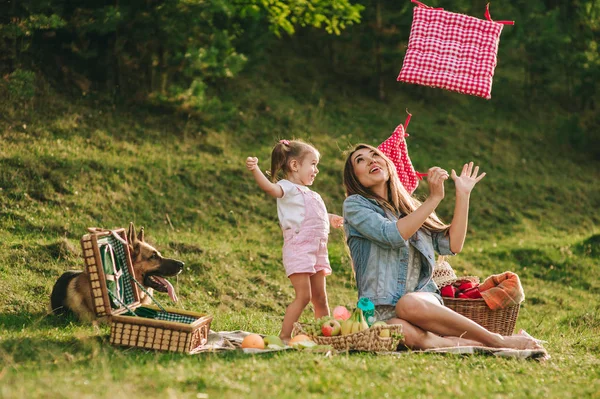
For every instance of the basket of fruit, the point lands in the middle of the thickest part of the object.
(352, 334)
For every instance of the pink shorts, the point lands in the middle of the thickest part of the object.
(305, 253)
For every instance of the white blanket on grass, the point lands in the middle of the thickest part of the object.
(232, 340)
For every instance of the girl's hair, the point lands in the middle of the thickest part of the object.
(285, 151)
(399, 201)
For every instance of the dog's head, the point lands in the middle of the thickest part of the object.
(149, 266)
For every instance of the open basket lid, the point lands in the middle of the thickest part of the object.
(108, 263)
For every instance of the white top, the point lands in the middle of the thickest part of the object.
(414, 269)
(290, 207)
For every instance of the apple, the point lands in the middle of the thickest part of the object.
(331, 328)
(385, 332)
(467, 285)
(473, 293)
(448, 291)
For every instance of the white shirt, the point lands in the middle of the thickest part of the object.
(414, 269)
(290, 207)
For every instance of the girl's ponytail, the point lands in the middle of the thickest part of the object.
(279, 157)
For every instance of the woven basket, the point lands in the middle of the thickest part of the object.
(366, 340)
(155, 328)
(162, 335)
(501, 321)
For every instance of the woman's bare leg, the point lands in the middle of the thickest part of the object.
(424, 310)
(419, 339)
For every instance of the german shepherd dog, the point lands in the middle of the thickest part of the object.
(72, 291)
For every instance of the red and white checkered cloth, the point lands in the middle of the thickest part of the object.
(452, 51)
(396, 150)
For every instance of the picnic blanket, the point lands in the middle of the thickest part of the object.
(232, 340)
(502, 290)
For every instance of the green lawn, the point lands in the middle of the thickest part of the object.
(67, 164)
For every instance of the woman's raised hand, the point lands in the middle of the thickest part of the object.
(436, 177)
(251, 163)
(467, 179)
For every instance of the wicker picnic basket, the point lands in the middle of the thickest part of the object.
(367, 340)
(501, 321)
(115, 296)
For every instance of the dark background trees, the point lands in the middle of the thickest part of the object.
(176, 52)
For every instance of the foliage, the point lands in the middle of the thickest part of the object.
(21, 85)
(167, 49)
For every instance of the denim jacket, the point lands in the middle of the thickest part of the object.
(380, 254)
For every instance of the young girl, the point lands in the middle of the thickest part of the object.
(305, 224)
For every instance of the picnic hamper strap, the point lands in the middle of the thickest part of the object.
(140, 286)
(489, 18)
(131, 312)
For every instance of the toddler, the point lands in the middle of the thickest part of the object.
(305, 224)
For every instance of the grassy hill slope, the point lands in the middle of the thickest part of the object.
(67, 164)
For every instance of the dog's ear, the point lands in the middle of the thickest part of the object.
(131, 235)
(140, 236)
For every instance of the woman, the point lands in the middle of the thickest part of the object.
(392, 239)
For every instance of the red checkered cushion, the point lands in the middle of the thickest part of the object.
(396, 150)
(451, 51)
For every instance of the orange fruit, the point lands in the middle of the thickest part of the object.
(299, 338)
(253, 341)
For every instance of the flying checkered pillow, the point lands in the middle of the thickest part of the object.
(396, 150)
(452, 51)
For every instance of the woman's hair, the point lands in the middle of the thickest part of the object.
(285, 151)
(399, 201)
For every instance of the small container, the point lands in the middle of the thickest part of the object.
(368, 310)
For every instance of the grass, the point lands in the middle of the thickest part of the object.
(67, 164)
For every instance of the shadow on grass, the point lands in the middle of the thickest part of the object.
(18, 322)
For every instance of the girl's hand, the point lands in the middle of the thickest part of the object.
(336, 221)
(467, 179)
(436, 177)
(251, 163)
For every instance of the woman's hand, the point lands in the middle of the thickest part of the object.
(251, 163)
(436, 177)
(467, 179)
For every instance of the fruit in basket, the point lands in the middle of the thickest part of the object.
(254, 341)
(273, 342)
(341, 313)
(331, 328)
(472, 293)
(384, 332)
(355, 323)
(466, 285)
(448, 291)
(313, 328)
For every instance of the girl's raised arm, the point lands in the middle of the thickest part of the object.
(273, 189)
